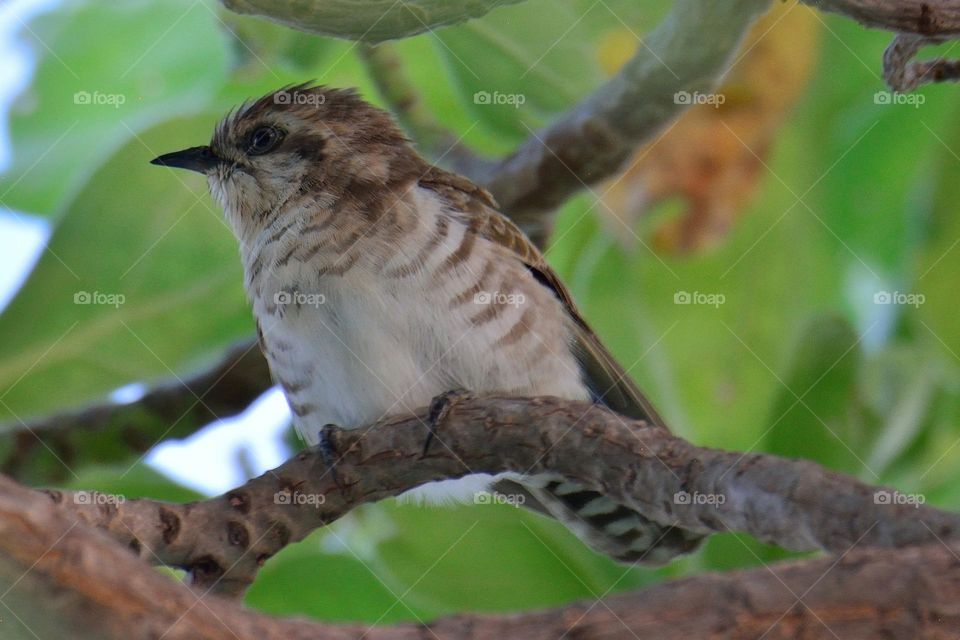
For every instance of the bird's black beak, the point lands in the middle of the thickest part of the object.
(200, 159)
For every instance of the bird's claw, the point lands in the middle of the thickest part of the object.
(329, 454)
(440, 408)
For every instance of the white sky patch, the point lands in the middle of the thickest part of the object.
(22, 239)
(16, 59)
(209, 460)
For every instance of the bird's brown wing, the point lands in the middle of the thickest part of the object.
(608, 382)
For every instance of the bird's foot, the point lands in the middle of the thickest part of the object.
(329, 454)
(440, 408)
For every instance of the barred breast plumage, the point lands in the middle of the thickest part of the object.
(378, 321)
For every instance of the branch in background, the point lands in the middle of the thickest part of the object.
(689, 51)
(370, 21)
(795, 504)
(917, 23)
(926, 17)
(387, 71)
(94, 589)
(173, 409)
(902, 74)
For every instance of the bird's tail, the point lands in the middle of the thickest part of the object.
(605, 525)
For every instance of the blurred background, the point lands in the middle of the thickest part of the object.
(778, 269)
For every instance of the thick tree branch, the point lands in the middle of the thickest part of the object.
(792, 503)
(689, 51)
(173, 409)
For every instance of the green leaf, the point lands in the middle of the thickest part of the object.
(140, 280)
(519, 65)
(105, 73)
(255, 41)
(132, 482)
(304, 580)
(815, 415)
(434, 547)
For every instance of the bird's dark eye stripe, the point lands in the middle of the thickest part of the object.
(264, 139)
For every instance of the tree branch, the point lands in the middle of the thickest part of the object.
(793, 503)
(902, 74)
(925, 17)
(371, 21)
(93, 588)
(689, 51)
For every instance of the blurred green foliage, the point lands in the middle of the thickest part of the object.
(799, 359)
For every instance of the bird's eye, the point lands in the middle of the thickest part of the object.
(263, 139)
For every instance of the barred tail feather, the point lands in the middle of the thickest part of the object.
(605, 525)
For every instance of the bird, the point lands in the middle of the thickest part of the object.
(380, 283)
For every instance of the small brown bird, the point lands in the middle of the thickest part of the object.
(380, 282)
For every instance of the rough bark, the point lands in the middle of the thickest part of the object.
(795, 504)
(92, 588)
(925, 17)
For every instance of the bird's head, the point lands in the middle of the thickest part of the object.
(298, 142)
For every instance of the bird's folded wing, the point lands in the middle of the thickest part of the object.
(608, 382)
